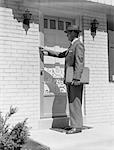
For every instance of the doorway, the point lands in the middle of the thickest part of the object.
(54, 102)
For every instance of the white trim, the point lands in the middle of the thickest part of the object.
(107, 2)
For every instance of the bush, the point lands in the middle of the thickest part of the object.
(12, 138)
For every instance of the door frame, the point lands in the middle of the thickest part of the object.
(45, 120)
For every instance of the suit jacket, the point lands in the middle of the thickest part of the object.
(74, 56)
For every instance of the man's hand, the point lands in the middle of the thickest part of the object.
(75, 82)
(42, 50)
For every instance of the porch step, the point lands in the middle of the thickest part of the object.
(97, 138)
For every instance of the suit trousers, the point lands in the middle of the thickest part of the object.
(75, 105)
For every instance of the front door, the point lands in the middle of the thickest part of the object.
(54, 103)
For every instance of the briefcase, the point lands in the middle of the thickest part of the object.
(84, 77)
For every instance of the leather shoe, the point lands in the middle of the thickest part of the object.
(73, 130)
(67, 128)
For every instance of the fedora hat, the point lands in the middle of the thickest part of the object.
(72, 28)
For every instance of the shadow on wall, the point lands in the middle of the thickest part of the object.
(59, 102)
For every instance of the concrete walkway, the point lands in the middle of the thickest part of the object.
(100, 137)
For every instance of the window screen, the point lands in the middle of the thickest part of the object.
(52, 24)
(68, 24)
(45, 23)
(60, 25)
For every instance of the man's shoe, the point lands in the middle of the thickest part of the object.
(67, 128)
(73, 130)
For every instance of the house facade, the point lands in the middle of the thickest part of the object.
(33, 84)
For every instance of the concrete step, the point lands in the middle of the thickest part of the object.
(100, 137)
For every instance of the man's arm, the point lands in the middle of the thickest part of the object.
(53, 53)
(57, 54)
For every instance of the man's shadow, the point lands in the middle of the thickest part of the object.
(59, 107)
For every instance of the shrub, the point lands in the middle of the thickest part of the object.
(12, 138)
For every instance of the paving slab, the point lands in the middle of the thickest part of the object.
(100, 137)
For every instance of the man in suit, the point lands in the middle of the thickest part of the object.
(74, 57)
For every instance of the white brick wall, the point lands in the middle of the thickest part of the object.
(19, 69)
(99, 93)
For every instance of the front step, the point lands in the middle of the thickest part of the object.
(59, 122)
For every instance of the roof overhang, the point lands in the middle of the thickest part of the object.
(106, 2)
(69, 6)
(106, 6)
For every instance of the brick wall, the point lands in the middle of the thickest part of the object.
(19, 69)
(99, 93)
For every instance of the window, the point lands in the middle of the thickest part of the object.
(45, 23)
(60, 25)
(68, 24)
(52, 24)
(57, 23)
